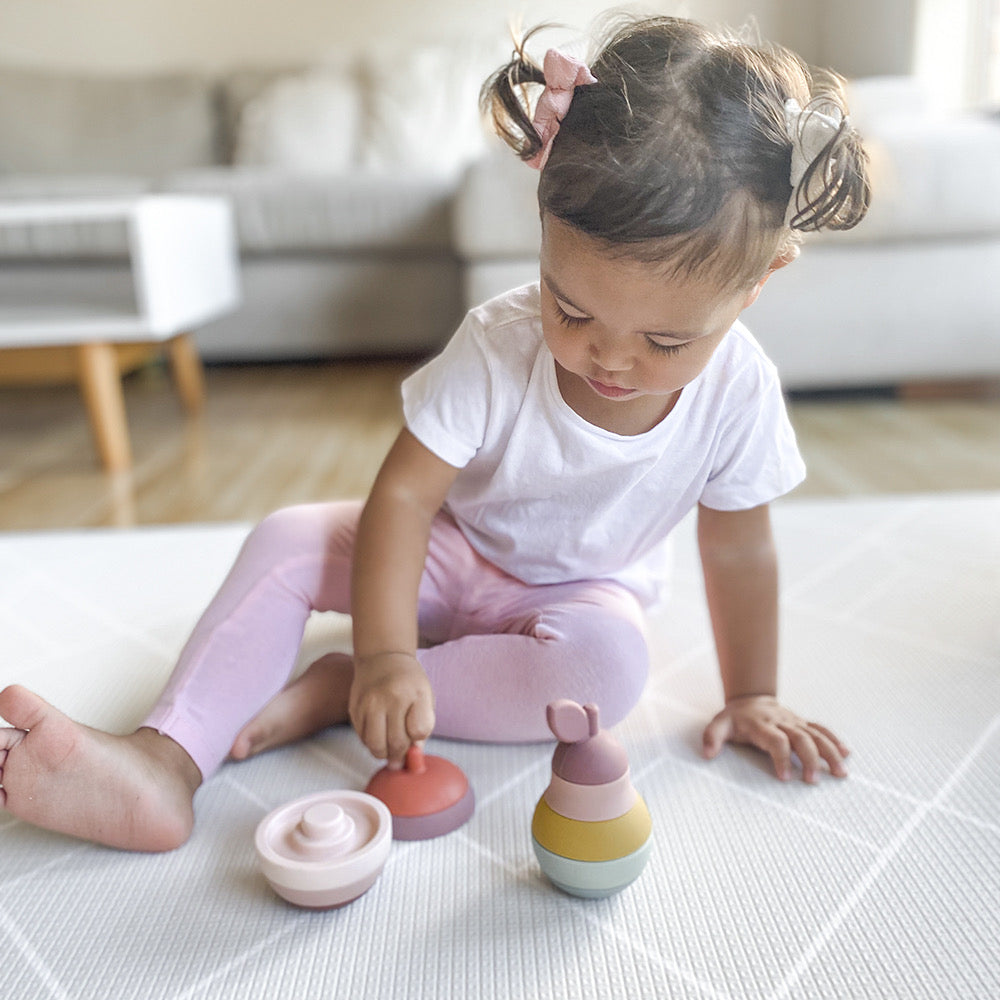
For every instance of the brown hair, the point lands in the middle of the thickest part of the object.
(680, 153)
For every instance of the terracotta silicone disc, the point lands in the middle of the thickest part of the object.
(428, 797)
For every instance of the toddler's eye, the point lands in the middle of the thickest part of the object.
(661, 348)
(567, 320)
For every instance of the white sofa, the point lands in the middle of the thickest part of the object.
(911, 294)
(362, 232)
(342, 178)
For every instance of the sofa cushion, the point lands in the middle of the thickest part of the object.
(52, 123)
(306, 122)
(932, 178)
(235, 91)
(279, 211)
(874, 99)
(46, 187)
(423, 105)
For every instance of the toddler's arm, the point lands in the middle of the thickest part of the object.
(391, 704)
(741, 584)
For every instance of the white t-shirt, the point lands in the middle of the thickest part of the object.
(549, 497)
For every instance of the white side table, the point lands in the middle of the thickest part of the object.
(185, 272)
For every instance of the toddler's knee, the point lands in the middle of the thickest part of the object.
(622, 675)
(279, 529)
(309, 527)
(287, 537)
(611, 670)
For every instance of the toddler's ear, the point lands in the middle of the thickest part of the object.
(777, 264)
(789, 255)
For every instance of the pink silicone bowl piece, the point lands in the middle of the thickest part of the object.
(326, 849)
(428, 797)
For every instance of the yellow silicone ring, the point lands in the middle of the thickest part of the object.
(582, 841)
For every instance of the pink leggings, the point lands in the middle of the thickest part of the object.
(499, 650)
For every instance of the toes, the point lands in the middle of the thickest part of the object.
(243, 746)
(251, 741)
(9, 738)
(24, 709)
(3, 794)
(21, 708)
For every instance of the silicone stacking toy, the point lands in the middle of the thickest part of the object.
(326, 849)
(592, 832)
(429, 797)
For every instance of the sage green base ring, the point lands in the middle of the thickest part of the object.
(592, 879)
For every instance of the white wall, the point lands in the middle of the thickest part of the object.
(868, 37)
(945, 43)
(952, 43)
(127, 35)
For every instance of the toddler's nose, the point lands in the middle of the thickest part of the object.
(610, 355)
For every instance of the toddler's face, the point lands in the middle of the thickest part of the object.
(626, 339)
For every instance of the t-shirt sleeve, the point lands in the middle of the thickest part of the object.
(446, 402)
(757, 459)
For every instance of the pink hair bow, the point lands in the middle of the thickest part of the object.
(563, 74)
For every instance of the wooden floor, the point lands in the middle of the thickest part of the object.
(275, 435)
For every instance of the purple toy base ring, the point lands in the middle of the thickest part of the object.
(435, 824)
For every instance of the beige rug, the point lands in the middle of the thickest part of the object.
(886, 885)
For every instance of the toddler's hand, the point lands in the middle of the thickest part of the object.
(761, 721)
(391, 705)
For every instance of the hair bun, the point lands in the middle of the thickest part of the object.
(830, 188)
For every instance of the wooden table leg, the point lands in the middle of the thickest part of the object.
(188, 372)
(101, 385)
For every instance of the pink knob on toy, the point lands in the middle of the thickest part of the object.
(428, 797)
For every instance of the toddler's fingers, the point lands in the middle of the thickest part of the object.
(372, 733)
(397, 740)
(716, 733)
(775, 743)
(805, 749)
(832, 737)
(419, 721)
(829, 749)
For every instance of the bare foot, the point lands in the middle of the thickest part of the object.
(310, 703)
(133, 792)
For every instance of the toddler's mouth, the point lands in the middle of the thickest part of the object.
(608, 391)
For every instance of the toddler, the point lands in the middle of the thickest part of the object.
(516, 530)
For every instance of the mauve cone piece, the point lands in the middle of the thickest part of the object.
(429, 797)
